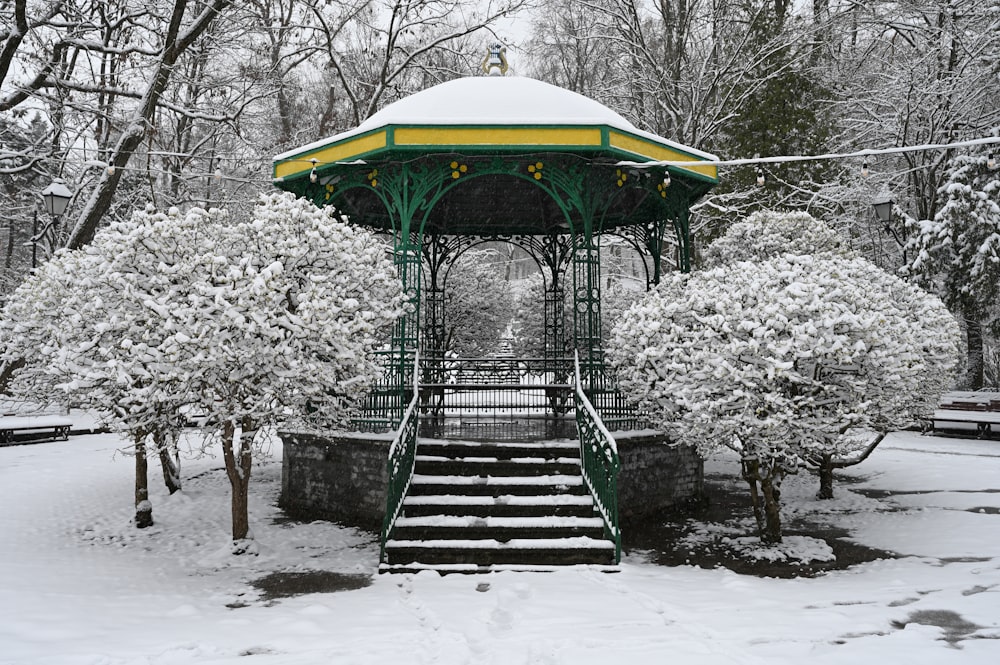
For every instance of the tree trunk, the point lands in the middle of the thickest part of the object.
(825, 477)
(238, 465)
(751, 474)
(143, 508)
(170, 461)
(175, 42)
(765, 494)
(769, 485)
(7, 370)
(825, 465)
(973, 379)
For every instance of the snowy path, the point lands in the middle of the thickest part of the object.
(80, 586)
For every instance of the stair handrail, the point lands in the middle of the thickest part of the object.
(401, 459)
(599, 461)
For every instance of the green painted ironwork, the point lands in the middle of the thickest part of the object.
(562, 195)
(599, 462)
(402, 456)
(381, 408)
(420, 200)
(587, 309)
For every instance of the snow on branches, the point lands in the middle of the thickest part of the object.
(477, 304)
(777, 358)
(249, 323)
(765, 234)
(958, 252)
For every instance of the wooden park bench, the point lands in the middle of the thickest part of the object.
(14, 429)
(968, 411)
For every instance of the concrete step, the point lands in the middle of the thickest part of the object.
(506, 505)
(488, 552)
(498, 450)
(503, 529)
(479, 507)
(499, 486)
(435, 465)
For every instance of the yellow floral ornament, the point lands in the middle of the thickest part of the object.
(329, 191)
(536, 170)
(373, 178)
(457, 170)
(622, 177)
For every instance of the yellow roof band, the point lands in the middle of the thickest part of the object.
(487, 136)
(335, 153)
(657, 152)
(528, 136)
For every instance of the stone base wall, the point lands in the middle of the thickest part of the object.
(340, 478)
(656, 476)
(343, 478)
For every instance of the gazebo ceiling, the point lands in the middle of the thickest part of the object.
(481, 125)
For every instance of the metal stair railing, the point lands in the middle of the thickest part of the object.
(402, 456)
(599, 461)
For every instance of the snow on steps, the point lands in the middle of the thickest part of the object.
(499, 528)
(539, 505)
(479, 507)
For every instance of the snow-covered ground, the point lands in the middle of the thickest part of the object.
(80, 586)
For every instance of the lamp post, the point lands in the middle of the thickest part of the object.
(56, 197)
(883, 213)
(883, 209)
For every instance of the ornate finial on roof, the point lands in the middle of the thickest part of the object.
(495, 64)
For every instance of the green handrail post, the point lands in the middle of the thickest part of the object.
(402, 456)
(599, 461)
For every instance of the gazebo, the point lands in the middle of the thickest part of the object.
(514, 159)
(505, 158)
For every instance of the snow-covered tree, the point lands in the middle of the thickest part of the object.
(528, 323)
(253, 323)
(958, 254)
(82, 323)
(776, 359)
(766, 233)
(278, 324)
(478, 304)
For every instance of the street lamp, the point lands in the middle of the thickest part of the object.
(883, 213)
(56, 198)
(883, 209)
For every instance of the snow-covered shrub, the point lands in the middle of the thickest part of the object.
(528, 323)
(251, 323)
(774, 359)
(81, 323)
(767, 233)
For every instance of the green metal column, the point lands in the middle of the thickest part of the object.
(406, 331)
(408, 191)
(587, 310)
(555, 336)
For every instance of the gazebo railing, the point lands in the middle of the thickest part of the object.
(402, 458)
(496, 397)
(499, 397)
(599, 461)
(385, 404)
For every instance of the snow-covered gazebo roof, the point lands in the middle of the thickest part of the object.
(497, 155)
(499, 113)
